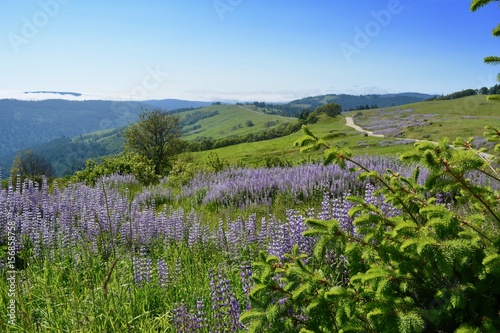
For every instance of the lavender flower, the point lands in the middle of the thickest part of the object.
(225, 307)
(246, 281)
(163, 273)
(142, 267)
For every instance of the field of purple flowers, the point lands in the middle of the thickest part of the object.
(96, 258)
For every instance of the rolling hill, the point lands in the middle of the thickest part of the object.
(353, 101)
(69, 150)
(429, 120)
(27, 123)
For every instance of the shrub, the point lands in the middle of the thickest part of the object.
(124, 164)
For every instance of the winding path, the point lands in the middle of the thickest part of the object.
(350, 122)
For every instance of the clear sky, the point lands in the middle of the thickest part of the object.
(244, 50)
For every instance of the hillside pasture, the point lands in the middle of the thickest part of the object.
(333, 130)
(232, 120)
(432, 120)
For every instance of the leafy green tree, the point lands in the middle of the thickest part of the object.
(28, 164)
(331, 109)
(429, 267)
(156, 136)
(493, 60)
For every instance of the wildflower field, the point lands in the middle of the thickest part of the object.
(234, 251)
(96, 258)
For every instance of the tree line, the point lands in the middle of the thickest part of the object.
(494, 90)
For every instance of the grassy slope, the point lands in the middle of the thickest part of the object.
(231, 121)
(333, 129)
(463, 117)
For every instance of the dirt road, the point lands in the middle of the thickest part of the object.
(350, 122)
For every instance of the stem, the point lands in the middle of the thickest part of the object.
(386, 185)
(464, 184)
(108, 276)
(477, 231)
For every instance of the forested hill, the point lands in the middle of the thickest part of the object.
(352, 102)
(174, 104)
(27, 123)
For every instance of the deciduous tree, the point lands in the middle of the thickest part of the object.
(156, 136)
(28, 164)
(331, 109)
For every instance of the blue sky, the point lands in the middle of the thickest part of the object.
(244, 50)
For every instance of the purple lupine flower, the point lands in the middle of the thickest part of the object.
(246, 281)
(200, 317)
(325, 213)
(345, 273)
(225, 306)
(235, 235)
(163, 273)
(221, 236)
(182, 320)
(297, 227)
(263, 233)
(142, 267)
(280, 244)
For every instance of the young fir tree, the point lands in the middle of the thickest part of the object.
(431, 268)
(493, 60)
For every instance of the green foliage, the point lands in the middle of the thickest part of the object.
(183, 170)
(272, 161)
(331, 109)
(123, 164)
(430, 268)
(215, 163)
(30, 165)
(476, 4)
(156, 137)
(493, 134)
(492, 60)
(458, 94)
